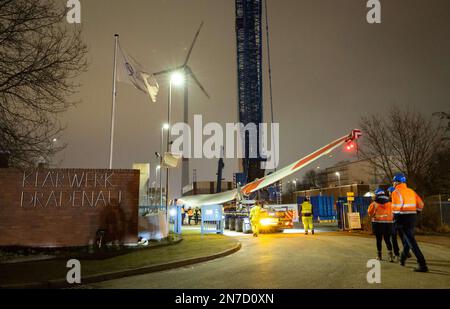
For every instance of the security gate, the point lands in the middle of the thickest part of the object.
(212, 219)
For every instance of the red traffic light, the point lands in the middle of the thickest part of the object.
(350, 146)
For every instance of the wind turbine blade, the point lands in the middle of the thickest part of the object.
(193, 43)
(191, 74)
(169, 71)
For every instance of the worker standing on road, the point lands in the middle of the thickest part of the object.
(406, 205)
(382, 222)
(197, 215)
(183, 215)
(255, 216)
(190, 214)
(306, 210)
(396, 232)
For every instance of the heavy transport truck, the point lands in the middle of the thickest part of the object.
(273, 218)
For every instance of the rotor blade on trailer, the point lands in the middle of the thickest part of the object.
(208, 199)
(191, 74)
(227, 196)
(193, 44)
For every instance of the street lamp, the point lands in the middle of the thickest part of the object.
(338, 175)
(176, 79)
(160, 156)
(158, 168)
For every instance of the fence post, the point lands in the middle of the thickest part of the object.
(440, 210)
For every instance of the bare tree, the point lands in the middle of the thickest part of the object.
(40, 54)
(402, 140)
(322, 179)
(310, 179)
(446, 117)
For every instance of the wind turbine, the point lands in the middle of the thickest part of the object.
(186, 70)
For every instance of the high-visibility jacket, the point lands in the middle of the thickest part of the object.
(381, 213)
(255, 214)
(307, 209)
(405, 200)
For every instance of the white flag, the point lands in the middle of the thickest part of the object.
(131, 72)
(171, 160)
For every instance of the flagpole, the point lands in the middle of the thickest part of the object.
(114, 93)
(169, 110)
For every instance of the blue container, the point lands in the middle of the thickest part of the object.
(361, 204)
(323, 207)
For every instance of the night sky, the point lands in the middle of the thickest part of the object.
(329, 65)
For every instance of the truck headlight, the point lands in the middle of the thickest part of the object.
(268, 221)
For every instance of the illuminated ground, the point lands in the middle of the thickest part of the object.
(326, 260)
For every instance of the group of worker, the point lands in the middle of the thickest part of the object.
(190, 214)
(305, 209)
(393, 213)
(396, 215)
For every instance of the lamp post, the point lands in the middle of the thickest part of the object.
(338, 175)
(157, 171)
(161, 154)
(176, 79)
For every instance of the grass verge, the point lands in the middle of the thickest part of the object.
(192, 246)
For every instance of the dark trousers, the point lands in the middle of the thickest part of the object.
(182, 218)
(406, 224)
(383, 231)
(396, 232)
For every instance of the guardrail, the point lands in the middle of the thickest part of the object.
(143, 210)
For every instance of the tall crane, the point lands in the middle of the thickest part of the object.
(250, 82)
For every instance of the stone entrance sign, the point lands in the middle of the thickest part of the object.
(66, 207)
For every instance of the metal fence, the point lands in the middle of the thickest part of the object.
(436, 210)
(144, 210)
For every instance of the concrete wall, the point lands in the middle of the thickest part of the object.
(66, 207)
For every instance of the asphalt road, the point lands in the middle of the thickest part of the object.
(298, 261)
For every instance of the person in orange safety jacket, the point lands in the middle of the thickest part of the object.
(396, 232)
(382, 222)
(406, 204)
